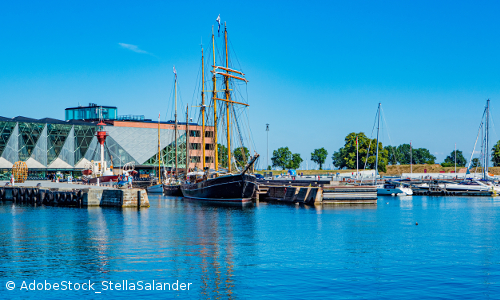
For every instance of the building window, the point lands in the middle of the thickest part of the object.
(209, 159)
(209, 134)
(209, 146)
(195, 159)
(194, 133)
(194, 146)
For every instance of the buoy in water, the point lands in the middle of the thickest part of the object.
(416, 223)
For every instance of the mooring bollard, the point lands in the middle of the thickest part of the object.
(139, 198)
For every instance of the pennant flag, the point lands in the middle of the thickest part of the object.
(175, 72)
(218, 21)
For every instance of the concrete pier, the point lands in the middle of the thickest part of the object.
(78, 195)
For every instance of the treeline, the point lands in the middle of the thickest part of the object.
(401, 155)
(284, 158)
(404, 154)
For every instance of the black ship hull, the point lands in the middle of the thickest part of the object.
(225, 189)
(172, 190)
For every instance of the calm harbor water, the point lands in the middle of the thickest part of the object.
(265, 250)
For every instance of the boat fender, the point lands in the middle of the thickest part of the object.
(40, 197)
(46, 199)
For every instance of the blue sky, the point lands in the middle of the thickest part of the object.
(316, 69)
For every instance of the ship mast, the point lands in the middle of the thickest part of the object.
(228, 119)
(376, 145)
(214, 96)
(227, 74)
(187, 139)
(487, 140)
(159, 156)
(175, 126)
(203, 107)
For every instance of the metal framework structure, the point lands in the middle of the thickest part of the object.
(49, 144)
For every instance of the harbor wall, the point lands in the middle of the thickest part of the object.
(116, 198)
(76, 197)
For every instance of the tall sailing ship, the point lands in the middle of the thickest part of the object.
(218, 185)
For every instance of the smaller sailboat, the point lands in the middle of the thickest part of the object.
(158, 187)
(171, 185)
(486, 183)
(387, 188)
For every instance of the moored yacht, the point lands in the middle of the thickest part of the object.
(392, 189)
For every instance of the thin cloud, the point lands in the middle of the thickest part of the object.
(133, 48)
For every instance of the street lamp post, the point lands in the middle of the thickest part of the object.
(267, 129)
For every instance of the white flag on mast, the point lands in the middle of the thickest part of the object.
(218, 21)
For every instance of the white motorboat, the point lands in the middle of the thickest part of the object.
(155, 189)
(391, 189)
(472, 185)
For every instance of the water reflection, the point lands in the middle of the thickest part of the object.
(263, 249)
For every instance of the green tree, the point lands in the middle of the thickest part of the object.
(284, 159)
(475, 163)
(346, 156)
(449, 161)
(241, 157)
(404, 156)
(393, 155)
(222, 155)
(417, 156)
(495, 154)
(295, 161)
(319, 157)
(423, 156)
(281, 157)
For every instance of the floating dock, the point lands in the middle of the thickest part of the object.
(315, 192)
(350, 194)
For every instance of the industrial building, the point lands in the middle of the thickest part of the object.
(50, 145)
